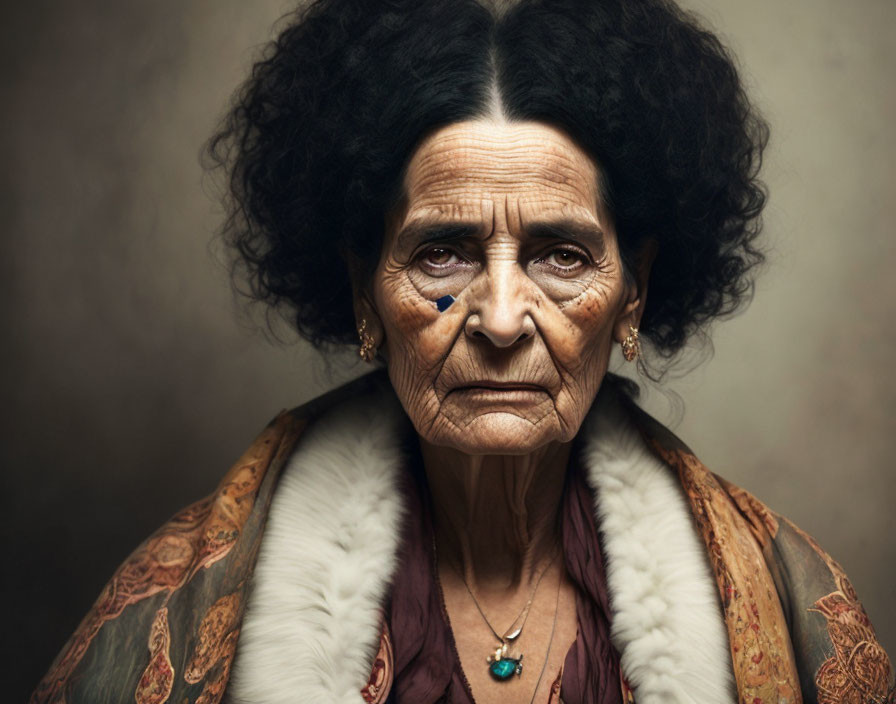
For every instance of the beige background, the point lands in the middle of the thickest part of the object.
(130, 383)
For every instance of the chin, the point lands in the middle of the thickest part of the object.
(498, 433)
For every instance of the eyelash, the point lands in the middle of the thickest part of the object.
(583, 259)
(422, 256)
(444, 269)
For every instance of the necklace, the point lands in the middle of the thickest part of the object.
(547, 655)
(502, 664)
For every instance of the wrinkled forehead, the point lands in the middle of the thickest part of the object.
(474, 170)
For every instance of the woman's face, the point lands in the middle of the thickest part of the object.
(507, 219)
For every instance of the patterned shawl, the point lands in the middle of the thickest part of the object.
(165, 628)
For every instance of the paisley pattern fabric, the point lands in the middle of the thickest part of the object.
(383, 671)
(774, 582)
(761, 651)
(191, 573)
(155, 684)
(165, 628)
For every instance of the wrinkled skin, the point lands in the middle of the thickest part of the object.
(507, 218)
(535, 308)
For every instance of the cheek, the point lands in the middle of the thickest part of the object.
(417, 336)
(579, 342)
(403, 311)
(580, 334)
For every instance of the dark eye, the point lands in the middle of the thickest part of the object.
(437, 256)
(439, 261)
(565, 261)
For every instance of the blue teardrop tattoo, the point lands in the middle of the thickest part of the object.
(444, 303)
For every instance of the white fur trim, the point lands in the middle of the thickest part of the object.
(312, 623)
(329, 551)
(667, 621)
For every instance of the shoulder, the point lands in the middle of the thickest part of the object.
(335, 520)
(835, 646)
(823, 628)
(180, 596)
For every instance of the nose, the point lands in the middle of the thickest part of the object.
(500, 312)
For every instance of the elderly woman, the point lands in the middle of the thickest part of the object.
(488, 199)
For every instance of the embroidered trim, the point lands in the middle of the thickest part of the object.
(217, 677)
(154, 686)
(760, 645)
(859, 671)
(381, 675)
(194, 539)
(214, 629)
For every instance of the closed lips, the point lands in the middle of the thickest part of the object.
(501, 386)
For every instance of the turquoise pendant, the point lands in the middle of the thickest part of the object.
(505, 668)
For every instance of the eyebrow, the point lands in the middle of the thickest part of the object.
(420, 233)
(574, 230)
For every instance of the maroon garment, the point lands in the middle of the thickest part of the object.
(427, 667)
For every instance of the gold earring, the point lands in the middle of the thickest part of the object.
(368, 346)
(631, 345)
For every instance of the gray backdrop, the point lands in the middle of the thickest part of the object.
(130, 382)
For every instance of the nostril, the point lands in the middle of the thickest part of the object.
(498, 332)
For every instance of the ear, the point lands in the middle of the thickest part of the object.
(363, 301)
(636, 291)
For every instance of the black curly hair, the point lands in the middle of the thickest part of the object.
(317, 138)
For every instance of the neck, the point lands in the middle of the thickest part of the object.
(497, 518)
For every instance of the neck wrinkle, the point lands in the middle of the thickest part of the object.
(497, 518)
